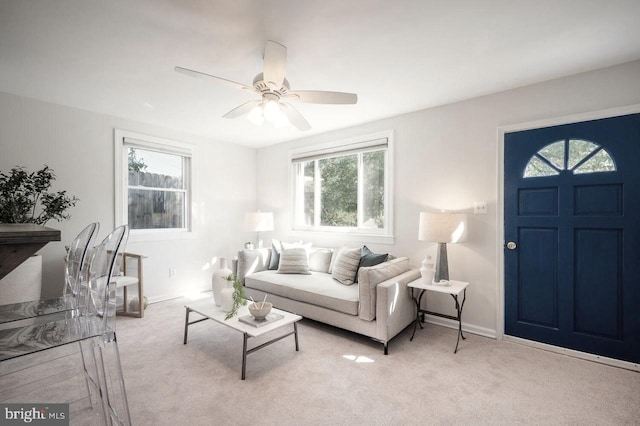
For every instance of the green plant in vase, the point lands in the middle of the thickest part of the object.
(25, 197)
(238, 296)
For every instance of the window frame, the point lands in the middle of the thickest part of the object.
(122, 140)
(342, 147)
(566, 159)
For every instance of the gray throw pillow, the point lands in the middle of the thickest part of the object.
(346, 265)
(369, 258)
(274, 261)
(294, 261)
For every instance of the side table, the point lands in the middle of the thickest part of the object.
(454, 289)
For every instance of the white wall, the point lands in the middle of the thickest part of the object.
(447, 158)
(78, 145)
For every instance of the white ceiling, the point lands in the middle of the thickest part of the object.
(117, 57)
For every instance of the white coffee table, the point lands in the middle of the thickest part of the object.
(208, 309)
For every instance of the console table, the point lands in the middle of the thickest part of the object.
(453, 289)
(19, 241)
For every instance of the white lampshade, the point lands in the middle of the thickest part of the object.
(443, 227)
(259, 221)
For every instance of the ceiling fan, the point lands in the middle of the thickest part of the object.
(274, 89)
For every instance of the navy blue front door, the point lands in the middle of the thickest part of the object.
(572, 236)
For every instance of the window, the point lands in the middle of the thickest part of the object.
(344, 187)
(576, 155)
(154, 185)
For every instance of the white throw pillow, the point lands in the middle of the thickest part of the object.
(294, 261)
(346, 264)
(320, 260)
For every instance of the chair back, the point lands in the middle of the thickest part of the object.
(102, 288)
(77, 265)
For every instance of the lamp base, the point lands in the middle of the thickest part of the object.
(441, 276)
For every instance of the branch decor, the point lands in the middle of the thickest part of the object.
(25, 197)
(238, 296)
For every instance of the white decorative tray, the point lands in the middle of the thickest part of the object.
(248, 319)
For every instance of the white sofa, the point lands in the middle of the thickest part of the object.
(379, 305)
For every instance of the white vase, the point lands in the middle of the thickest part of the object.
(219, 281)
(226, 298)
(427, 270)
(24, 283)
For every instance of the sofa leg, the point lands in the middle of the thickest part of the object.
(386, 348)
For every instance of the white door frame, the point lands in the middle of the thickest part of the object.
(567, 119)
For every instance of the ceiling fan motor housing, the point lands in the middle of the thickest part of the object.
(262, 87)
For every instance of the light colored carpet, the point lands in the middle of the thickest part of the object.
(340, 378)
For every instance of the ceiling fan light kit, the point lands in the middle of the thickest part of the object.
(268, 110)
(272, 87)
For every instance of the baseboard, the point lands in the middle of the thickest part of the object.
(471, 328)
(573, 353)
(197, 294)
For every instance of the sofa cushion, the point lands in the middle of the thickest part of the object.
(316, 289)
(251, 261)
(320, 259)
(346, 264)
(293, 261)
(370, 276)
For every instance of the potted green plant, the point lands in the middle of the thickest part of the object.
(26, 197)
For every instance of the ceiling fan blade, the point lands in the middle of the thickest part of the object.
(242, 109)
(322, 97)
(275, 62)
(199, 74)
(295, 117)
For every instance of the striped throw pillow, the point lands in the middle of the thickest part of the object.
(294, 261)
(345, 267)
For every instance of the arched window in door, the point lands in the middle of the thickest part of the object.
(575, 155)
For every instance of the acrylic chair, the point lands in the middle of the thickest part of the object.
(75, 263)
(29, 350)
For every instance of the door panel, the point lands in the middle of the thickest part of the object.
(598, 288)
(574, 278)
(538, 202)
(538, 300)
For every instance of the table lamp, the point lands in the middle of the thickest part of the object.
(258, 222)
(442, 228)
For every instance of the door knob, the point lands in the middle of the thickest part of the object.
(511, 245)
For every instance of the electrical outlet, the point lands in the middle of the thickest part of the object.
(172, 273)
(480, 207)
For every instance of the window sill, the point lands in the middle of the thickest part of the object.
(342, 237)
(138, 236)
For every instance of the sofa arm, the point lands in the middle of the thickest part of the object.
(252, 261)
(395, 308)
(370, 277)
